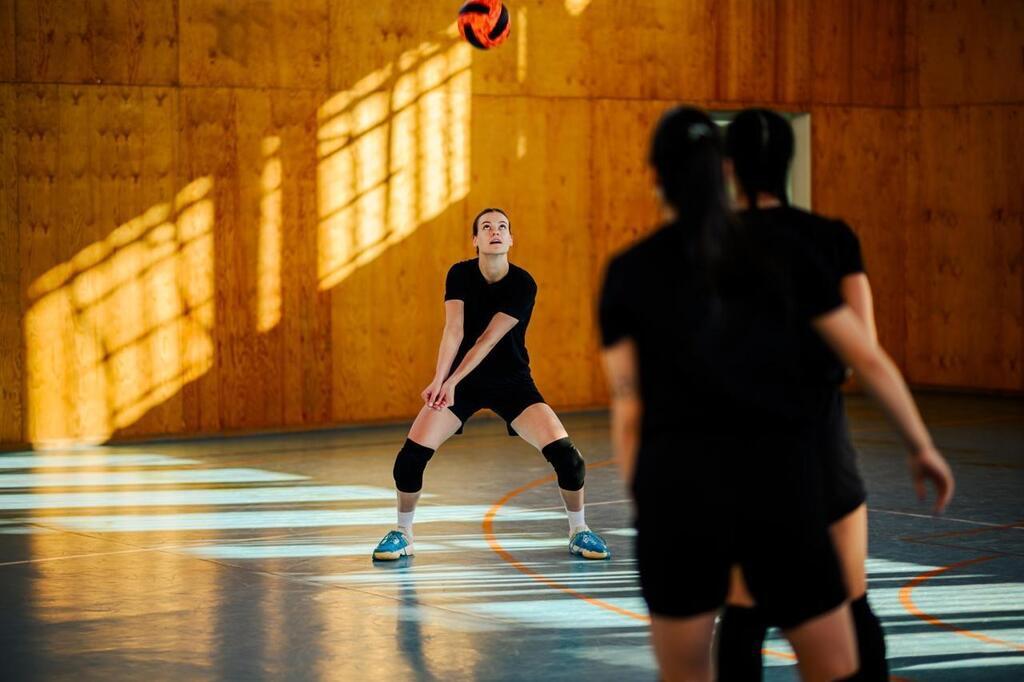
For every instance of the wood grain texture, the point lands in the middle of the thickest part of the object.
(254, 43)
(967, 51)
(11, 347)
(859, 176)
(624, 206)
(371, 38)
(964, 259)
(533, 158)
(393, 174)
(94, 41)
(877, 45)
(46, 354)
(8, 42)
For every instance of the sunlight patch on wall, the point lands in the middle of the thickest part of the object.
(394, 154)
(122, 325)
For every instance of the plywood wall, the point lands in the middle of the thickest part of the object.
(237, 215)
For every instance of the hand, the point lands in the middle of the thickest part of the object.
(929, 464)
(431, 391)
(445, 397)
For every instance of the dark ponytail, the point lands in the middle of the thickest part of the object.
(760, 144)
(686, 154)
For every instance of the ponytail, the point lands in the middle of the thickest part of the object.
(686, 154)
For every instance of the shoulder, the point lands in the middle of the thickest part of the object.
(522, 279)
(461, 268)
(645, 253)
(834, 227)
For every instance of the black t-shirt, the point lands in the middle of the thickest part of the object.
(727, 362)
(514, 294)
(836, 248)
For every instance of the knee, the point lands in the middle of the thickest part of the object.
(567, 462)
(409, 465)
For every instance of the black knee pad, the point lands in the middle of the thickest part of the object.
(870, 643)
(567, 462)
(739, 639)
(409, 465)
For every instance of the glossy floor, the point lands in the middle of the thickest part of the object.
(248, 559)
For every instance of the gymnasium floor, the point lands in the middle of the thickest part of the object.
(248, 558)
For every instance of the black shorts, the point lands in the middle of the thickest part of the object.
(506, 397)
(844, 488)
(710, 503)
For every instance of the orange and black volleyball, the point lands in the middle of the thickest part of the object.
(484, 23)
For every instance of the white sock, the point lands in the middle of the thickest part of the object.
(405, 521)
(575, 520)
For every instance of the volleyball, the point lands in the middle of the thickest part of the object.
(484, 23)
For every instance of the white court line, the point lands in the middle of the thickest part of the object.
(1007, 526)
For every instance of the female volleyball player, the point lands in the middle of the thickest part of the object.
(759, 144)
(714, 425)
(488, 303)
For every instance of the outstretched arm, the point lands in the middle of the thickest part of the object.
(846, 335)
(856, 292)
(451, 339)
(500, 325)
(620, 368)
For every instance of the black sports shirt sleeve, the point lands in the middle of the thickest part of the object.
(517, 300)
(455, 284)
(850, 261)
(613, 310)
(817, 292)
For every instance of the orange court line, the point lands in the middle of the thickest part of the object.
(908, 603)
(495, 545)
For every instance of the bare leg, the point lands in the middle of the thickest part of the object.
(850, 537)
(825, 646)
(538, 425)
(683, 647)
(430, 429)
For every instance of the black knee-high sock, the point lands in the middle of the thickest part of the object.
(870, 643)
(740, 638)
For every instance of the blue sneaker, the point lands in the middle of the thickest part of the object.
(395, 544)
(588, 544)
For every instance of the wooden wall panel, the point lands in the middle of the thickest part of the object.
(207, 144)
(965, 290)
(8, 42)
(878, 38)
(532, 158)
(831, 55)
(263, 225)
(370, 39)
(624, 205)
(11, 347)
(747, 49)
(255, 43)
(393, 175)
(93, 41)
(967, 51)
(101, 338)
(793, 73)
(47, 399)
(858, 174)
(648, 49)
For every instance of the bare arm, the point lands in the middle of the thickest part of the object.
(620, 368)
(500, 325)
(856, 292)
(451, 339)
(845, 334)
